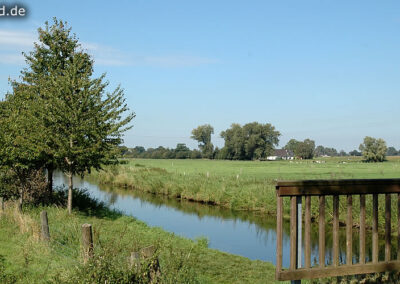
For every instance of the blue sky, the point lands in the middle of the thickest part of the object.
(325, 70)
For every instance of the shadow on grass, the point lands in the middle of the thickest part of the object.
(84, 203)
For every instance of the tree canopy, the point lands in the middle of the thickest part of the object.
(68, 116)
(373, 150)
(202, 134)
(304, 150)
(252, 141)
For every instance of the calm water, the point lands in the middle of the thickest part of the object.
(252, 235)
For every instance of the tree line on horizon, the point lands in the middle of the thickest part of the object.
(255, 141)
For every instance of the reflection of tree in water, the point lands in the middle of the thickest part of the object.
(264, 225)
(113, 198)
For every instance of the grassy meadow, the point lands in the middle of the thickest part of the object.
(25, 258)
(238, 185)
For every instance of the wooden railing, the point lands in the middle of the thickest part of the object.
(296, 190)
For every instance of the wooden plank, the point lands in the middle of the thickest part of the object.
(331, 271)
(362, 229)
(279, 233)
(341, 190)
(333, 187)
(388, 226)
(375, 248)
(307, 233)
(335, 230)
(398, 226)
(349, 230)
(293, 227)
(339, 182)
(321, 231)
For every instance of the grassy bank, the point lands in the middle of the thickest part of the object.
(239, 185)
(24, 258)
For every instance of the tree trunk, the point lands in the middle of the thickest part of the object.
(50, 180)
(70, 187)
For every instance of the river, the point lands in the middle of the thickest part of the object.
(249, 234)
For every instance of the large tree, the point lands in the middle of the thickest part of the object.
(252, 141)
(373, 150)
(202, 134)
(302, 149)
(82, 122)
(21, 144)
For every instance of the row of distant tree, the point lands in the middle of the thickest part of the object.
(255, 141)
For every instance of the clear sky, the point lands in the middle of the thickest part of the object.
(325, 70)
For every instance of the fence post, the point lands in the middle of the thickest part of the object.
(87, 242)
(298, 235)
(154, 266)
(45, 226)
(1, 204)
(134, 261)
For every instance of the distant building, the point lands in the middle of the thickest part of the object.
(281, 154)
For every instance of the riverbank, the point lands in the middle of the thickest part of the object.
(25, 258)
(241, 185)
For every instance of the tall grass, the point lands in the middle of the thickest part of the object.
(24, 258)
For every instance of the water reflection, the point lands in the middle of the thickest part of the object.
(250, 234)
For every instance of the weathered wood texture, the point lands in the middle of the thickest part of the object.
(279, 233)
(362, 229)
(332, 271)
(87, 242)
(321, 231)
(293, 228)
(375, 248)
(388, 226)
(335, 234)
(45, 226)
(322, 188)
(349, 230)
(307, 233)
(341, 187)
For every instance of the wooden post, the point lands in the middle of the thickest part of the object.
(87, 242)
(362, 229)
(1, 204)
(293, 229)
(154, 272)
(298, 236)
(349, 231)
(279, 235)
(388, 226)
(336, 230)
(134, 261)
(321, 229)
(307, 233)
(45, 226)
(375, 248)
(398, 226)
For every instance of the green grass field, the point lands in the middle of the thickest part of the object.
(24, 258)
(239, 185)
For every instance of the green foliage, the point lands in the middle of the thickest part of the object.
(373, 150)
(202, 134)
(325, 151)
(303, 150)
(59, 115)
(253, 141)
(391, 151)
(4, 276)
(355, 153)
(115, 237)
